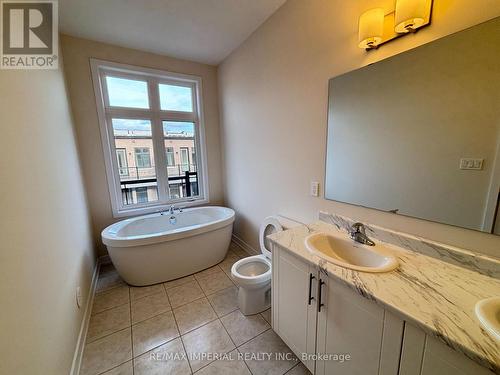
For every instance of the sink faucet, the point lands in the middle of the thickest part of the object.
(358, 234)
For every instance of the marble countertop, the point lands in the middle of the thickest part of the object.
(436, 296)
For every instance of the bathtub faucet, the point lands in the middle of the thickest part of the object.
(171, 210)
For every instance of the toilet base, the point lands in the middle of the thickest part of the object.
(254, 301)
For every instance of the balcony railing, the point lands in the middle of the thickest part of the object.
(182, 179)
(140, 173)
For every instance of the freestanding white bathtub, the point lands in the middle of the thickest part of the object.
(154, 248)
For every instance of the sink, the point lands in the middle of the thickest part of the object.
(488, 313)
(344, 252)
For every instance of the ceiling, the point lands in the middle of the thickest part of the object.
(199, 30)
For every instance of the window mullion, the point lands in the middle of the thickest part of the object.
(158, 142)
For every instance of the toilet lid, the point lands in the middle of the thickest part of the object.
(269, 226)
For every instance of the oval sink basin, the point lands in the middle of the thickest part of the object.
(488, 313)
(344, 252)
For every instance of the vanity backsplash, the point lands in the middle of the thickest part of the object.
(460, 257)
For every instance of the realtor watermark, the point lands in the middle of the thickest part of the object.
(29, 34)
(258, 356)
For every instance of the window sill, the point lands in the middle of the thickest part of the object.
(160, 207)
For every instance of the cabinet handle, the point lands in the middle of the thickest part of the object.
(311, 278)
(320, 286)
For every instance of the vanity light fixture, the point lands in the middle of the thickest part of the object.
(376, 27)
(371, 28)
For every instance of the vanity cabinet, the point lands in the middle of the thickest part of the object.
(425, 355)
(294, 303)
(319, 316)
(313, 314)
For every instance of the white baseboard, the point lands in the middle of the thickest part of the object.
(80, 344)
(244, 246)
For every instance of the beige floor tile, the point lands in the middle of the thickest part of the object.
(106, 269)
(224, 301)
(214, 282)
(268, 342)
(242, 328)
(206, 272)
(239, 251)
(300, 369)
(229, 364)
(226, 265)
(180, 295)
(194, 315)
(111, 298)
(210, 339)
(137, 292)
(153, 332)
(169, 358)
(109, 281)
(267, 315)
(149, 306)
(107, 353)
(177, 282)
(231, 254)
(124, 369)
(108, 321)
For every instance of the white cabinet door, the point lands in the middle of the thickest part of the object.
(348, 324)
(294, 304)
(425, 355)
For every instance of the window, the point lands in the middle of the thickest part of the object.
(142, 158)
(185, 159)
(152, 134)
(121, 156)
(170, 157)
(142, 194)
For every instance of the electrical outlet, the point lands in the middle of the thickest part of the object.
(314, 189)
(79, 297)
(471, 164)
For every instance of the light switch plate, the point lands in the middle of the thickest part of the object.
(471, 163)
(314, 189)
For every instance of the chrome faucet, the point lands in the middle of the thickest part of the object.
(171, 210)
(358, 234)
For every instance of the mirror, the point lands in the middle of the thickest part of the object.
(418, 134)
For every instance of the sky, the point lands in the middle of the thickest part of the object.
(145, 125)
(134, 94)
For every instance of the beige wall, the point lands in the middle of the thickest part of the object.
(46, 249)
(77, 53)
(273, 93)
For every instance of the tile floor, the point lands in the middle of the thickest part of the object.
(189, 325)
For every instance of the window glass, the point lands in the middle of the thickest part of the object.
(142, 157)
(183, 174)
(176, 98)
(121, 155)
(170, 157)
(134, 152)
(127, 93)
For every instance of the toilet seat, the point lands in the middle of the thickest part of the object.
(244, 271)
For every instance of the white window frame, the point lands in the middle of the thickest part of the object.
(154, 114)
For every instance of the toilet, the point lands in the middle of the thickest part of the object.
(253, 274)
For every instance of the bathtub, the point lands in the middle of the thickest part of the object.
(155, 248)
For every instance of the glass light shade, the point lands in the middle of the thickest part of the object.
(410, 14)
(371, 28)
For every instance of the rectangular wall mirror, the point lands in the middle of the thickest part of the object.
(418, 134)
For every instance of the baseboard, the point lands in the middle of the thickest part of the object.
(104, 259)
(80, 345)
(245, 246)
